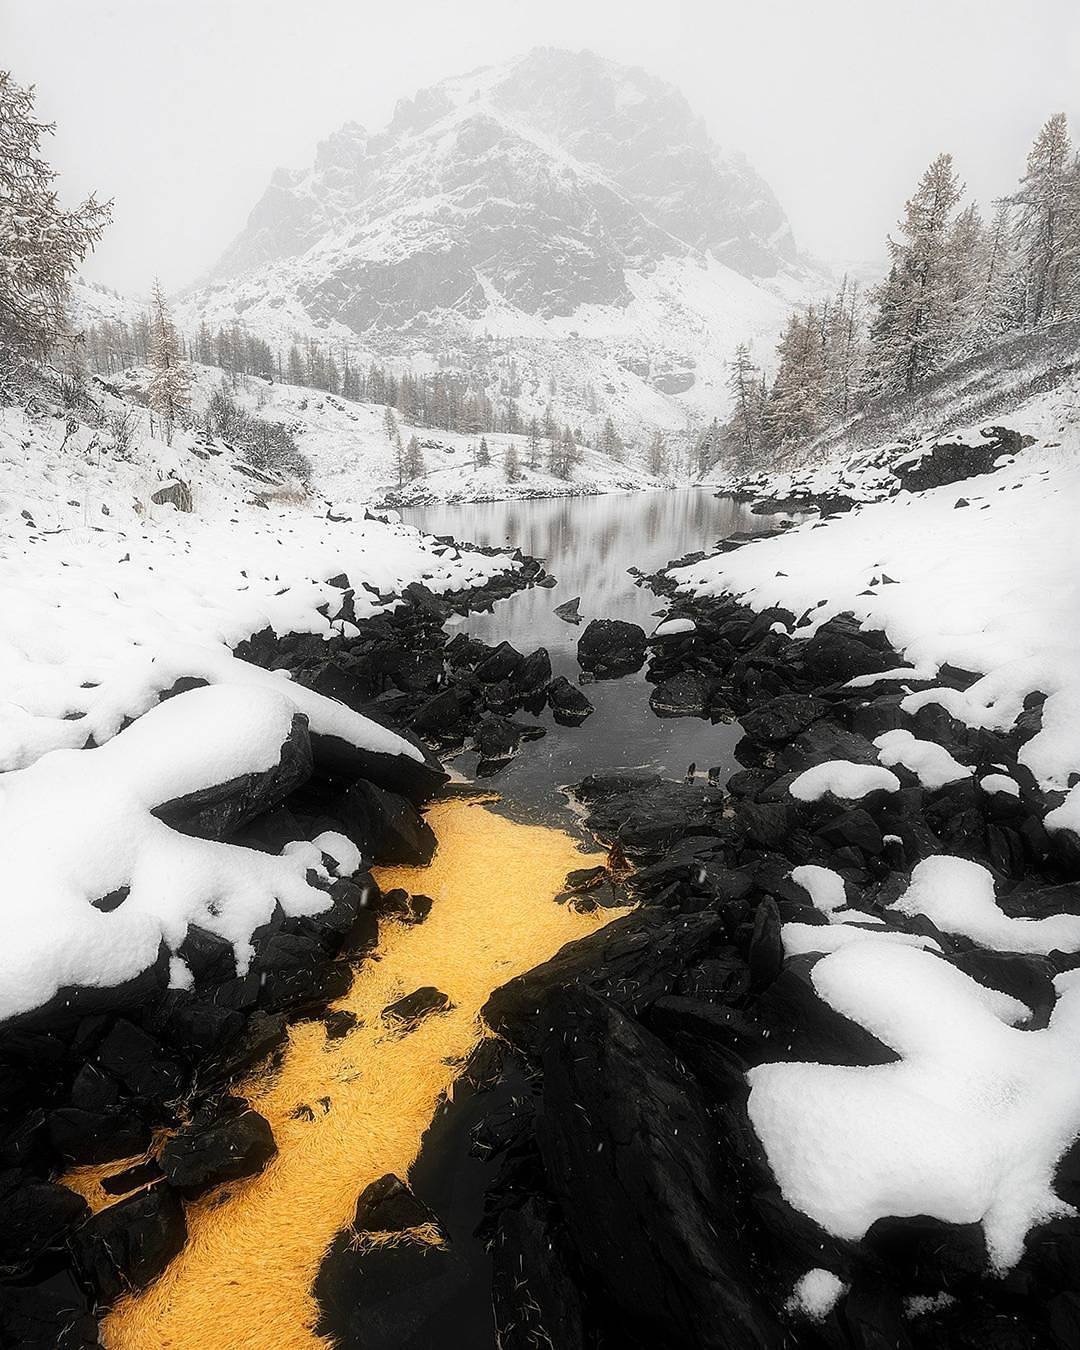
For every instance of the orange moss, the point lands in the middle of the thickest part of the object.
(244, 1280)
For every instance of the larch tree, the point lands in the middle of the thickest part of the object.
(792, 412)
(483, 453)
(170, 376)
(915, 302)
(657, 457)
(534, 443)
(414, 460)
(41, 245)
(512, 464)
(1048, 221)
(742, 432)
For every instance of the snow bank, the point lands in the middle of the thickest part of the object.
(966, 1127)
(994, 589)
(842, 778)
(957, 896)
(77, 826)
(98, 619)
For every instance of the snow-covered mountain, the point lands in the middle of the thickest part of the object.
(560, 212)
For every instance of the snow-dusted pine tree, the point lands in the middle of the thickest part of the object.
(914, 324)
(1048, 222)
(658, 455)
(793, 411)
(511, 464)
(170, 377)
(40, 245)
(414, 460)
(742, 433)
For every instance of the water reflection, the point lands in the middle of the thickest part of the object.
(588, 543)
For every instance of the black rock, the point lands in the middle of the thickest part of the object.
(628, 1152)
(228, 1149)
(388, 1206)
(384, 826)
(37, 1215)
(610, 647)
(535, 670)
(124, 1247)
(408, 1012)
(568, 704)
(782, 718)
(405, 908)
(682, 695)
(139, 1062)
(633, 961)
(83, 1137)
(536, 1297)
(48, 1314)
(568, 610)
(216, 812)
(503, 663)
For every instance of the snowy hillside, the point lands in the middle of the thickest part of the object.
(560, 212)
(354, 463)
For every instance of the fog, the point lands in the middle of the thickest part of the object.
(180, 111)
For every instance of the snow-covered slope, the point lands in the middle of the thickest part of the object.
(562, 212)
(982, 574)
(354, 463)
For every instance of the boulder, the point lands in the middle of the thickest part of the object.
(611, 647)
(682, 695)
(407, 1013)
(386, 827)
(49, 1314)
(37, 1216)
(124, 1247)
(216, 812)
(628, 1152)
(568, 610)
(569, 706)
(782, 718)
(388, 1206)
(228, 1148)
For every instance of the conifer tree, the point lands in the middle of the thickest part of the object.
(512, 464)
(658, 454)
(414, 460)
(483, 453)
(743, 432)
(534, 443)
(170, 378)
(792, 413)
(41, 246)
(1048, 221)
(916, 301)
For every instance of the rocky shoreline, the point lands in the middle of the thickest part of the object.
(636, 1205)
(98, 1076)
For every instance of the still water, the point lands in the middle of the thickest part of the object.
(588, 543)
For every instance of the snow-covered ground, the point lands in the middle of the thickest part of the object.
(354, 462)
(108, 600)
(968, 1124)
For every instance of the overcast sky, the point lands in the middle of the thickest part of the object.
(181, 109)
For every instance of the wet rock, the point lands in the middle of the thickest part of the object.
(632, 961)
(535, 671)
(498, 738)
(441, 717)
(407, 1013)
(611, 647)
(124, 1247)
(568, 704)
(418, 780)
(568, 610)
(37, 1215)
(536, 1297)
(139, 1062)
(840, 649)
(227, 1149)
(385, 827)
(47, 1314)
(388, 1206)
(717, 1044)
(405, 908)
(649, 816)
(782, 718)
(503, 663)
(683, 695)
(83, 1137)
(627, 1148)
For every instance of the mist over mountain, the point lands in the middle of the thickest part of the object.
(560, 208)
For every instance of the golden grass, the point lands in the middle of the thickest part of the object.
(244, 1280)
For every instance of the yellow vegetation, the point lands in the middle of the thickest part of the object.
(244, 1280)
